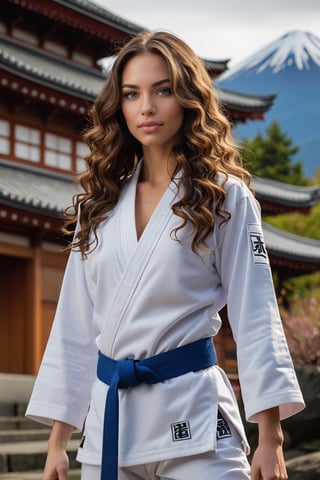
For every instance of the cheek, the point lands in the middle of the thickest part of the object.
(129, 108)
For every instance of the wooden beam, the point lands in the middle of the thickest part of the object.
(36, 307)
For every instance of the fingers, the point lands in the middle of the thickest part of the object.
(57, 466)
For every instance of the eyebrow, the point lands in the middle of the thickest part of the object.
(155, 84)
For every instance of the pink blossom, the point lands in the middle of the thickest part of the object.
(301, 322)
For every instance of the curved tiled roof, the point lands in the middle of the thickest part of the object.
(244, 101)
(288, 245)
(69, 77)
(285, 194)
(45, 68)
(218, 66)
(46, 193)
(35, 190)
(102, 14)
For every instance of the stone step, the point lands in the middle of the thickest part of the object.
(36, 475)
(15, 436)
(15, 388)
(7, 409)
(26, 456)
(12, 409)
(20, 423)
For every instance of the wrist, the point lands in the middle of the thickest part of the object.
(274, 437)
(57, 445)
(270, 427)
(59, 437)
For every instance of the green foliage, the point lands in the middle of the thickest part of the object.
(271, 157)
(299, 223)
(302, 287)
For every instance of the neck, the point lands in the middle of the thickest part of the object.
(158, 167)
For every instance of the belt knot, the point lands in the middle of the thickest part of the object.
(132, 372)
(127, 373)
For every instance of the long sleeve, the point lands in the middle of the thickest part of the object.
(63, 385)
(266, 373)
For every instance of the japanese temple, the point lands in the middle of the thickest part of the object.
(49, 76)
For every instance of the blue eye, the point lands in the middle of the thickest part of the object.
(165, 91)
(130, 95)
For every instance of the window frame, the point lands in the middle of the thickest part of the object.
(13, 141)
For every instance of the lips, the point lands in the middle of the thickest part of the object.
(150, 127)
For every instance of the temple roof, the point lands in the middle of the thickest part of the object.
(216, 66)
(102, 14)
(49, 70)
(287, 245)
(34, 190)
(71, 78)
(244, 101)
(286, 194)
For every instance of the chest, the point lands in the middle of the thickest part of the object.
(146, 201)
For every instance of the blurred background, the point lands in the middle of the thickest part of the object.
(264, 61)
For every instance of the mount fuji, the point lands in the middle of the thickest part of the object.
(290, 68)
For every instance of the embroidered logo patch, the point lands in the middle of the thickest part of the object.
(180, 431)
(223, 429)
(258, 248)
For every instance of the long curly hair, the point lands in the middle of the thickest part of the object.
(206, 149)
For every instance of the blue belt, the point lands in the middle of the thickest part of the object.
(129, 373)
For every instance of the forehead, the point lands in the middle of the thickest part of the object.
(144, 68)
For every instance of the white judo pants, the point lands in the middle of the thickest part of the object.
(228, 462)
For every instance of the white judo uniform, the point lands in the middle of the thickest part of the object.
(135, 299)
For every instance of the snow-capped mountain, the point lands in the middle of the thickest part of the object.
(289, 67)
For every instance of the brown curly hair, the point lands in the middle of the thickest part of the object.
(206, 149)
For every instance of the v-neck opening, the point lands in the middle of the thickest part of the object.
(154, 211)
(128, 234)
(135, 181)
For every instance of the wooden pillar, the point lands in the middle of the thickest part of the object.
(35, 309)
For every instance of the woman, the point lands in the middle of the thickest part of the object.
(167, 233)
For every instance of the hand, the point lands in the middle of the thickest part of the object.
(57, 465)
(268, 463)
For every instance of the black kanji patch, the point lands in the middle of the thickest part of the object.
(223, 429)
(258, 247)
(180, 430)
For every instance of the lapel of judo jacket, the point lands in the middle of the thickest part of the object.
(135, 256)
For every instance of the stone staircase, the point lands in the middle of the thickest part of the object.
(23, 443)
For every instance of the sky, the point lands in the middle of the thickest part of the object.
(222, 29)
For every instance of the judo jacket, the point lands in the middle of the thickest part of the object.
(134, 299)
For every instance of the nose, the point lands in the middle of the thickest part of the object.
(148, 108)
